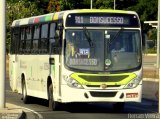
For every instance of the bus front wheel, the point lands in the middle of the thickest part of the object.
(24, 93)
(52, 104)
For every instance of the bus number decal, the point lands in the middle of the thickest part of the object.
(84, 51)
(78, 19)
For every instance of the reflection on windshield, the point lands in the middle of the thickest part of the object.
(79, 53)
(122, 53)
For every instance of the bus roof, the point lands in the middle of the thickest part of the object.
(59, 15)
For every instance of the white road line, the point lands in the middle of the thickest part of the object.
(39, 115)
(23, 108)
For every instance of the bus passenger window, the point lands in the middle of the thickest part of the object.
(52, 38)
(52, 33)
(44, 38)
(28, 39)
(22, 41)
(35, 39)
(35, 45)
(15, 41)
(36, 32)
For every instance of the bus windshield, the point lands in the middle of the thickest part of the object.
(103, 50)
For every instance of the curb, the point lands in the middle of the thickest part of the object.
(150, 79)
(149, 54)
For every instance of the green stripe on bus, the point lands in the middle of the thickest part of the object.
(82, 81)
(48, 18)
(53, 69)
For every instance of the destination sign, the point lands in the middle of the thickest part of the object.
(99, 20)
(108, 19)
(83, 62)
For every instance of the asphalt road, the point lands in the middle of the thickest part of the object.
(81, 111)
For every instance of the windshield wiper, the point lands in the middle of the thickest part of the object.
(116, 35)
(86, 33)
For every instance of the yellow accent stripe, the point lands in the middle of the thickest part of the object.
(55, 16)
(125, 81)
(103, 11)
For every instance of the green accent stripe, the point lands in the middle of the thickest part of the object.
(127, 78)
(48, 18)
(54, 70)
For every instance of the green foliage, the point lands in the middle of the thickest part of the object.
(74, 4)
(152, 34)
(151, 51)
(146, 9)
(102, 4)
(21, 9)
(16, 10)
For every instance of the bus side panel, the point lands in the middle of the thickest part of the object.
(13, 72)
(28, 67)
(42, 74)
(55, 75)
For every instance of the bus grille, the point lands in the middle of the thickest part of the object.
(103, 94)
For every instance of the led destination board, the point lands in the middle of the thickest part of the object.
(99, 20)
(102, 20)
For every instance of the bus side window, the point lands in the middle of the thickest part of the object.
(36, 34)
(15, 40)
(44, 38)
(52, 40)
(22, 41)
(28, 39)
(55, 39)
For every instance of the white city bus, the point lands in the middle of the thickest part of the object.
(68, 56)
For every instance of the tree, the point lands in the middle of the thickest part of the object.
(147, 11)
(54, 5)
(101, 4)
(17, 10)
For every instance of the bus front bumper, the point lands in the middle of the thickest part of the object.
(104, 95)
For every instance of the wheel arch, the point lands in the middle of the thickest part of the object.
(49, 82)
(22, 79)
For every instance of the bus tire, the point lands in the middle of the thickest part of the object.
(53, 105)
(119, 106)
(24, 93)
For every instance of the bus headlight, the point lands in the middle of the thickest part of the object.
(72, 83)
(133, 83)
